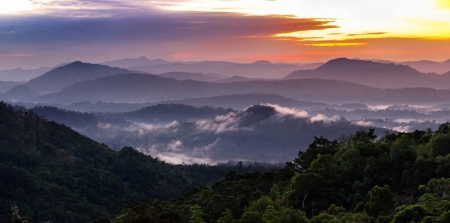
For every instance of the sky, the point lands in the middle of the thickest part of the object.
(36, 33)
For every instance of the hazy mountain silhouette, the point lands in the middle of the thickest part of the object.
(236, 79)
(134, 62)
(133, 88)
(19, 74)
(375, 74)
(428, 66)
(352, 106)
(381, 75)
(190, 76)
(61, 77)
(242, 101)
(129, 88)
(7, 85)
(21, 92)
(257, 69)
(174, 112)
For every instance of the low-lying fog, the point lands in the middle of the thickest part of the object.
(270, 133)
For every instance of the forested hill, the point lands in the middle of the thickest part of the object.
(399, 178)
(53, 173)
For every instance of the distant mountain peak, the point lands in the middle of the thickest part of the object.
(21, 92)
(344, 60)
(261, 62)
(157, 60)
(135, 62)
(345, 63)
(261, 110)
(61, 77)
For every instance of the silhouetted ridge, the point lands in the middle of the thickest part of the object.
(56, 174)
(21, 92)
(174, 112)
(374, 74)
(7, 85)
(346, 65)
(61, 77)
(189, 76)
(256, 114)
(262, 62)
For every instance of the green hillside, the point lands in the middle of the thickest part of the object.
(53, 173)
(400, 178)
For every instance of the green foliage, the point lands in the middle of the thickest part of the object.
(411, 213)
(196, 214)
(227, 217)
(137, 212)
(55, 174)
(262, 204)
(251, 216)
(320, 146)
(336, 214)
(271, 215)
(381, 201)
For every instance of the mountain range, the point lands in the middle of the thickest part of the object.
(243, 101)
(374, 74)
(19, 93)
(61, 77)
(428, 66)
(7, 85)
(134, 62)
(257, 69)
(150, 88)
(337, 81)
(193, 76)
(21, 75)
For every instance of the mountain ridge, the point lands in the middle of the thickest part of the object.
(374, 74)
(151, 88)
(61, 77)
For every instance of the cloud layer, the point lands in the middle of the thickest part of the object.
(154, 34)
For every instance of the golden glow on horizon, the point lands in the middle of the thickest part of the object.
(335, 44)
(443, 4)
(399, 18)
(354, 19)
(390, 29)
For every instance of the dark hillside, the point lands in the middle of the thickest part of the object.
(174, 112)
(53, 173)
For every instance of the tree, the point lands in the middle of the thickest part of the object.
(271, 215)
(196, 214)
(251, 216)
(227, 217)
(320, 146)
(381, 201)
(16, 218)
(411, 213)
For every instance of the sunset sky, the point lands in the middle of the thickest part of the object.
(35, 33)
